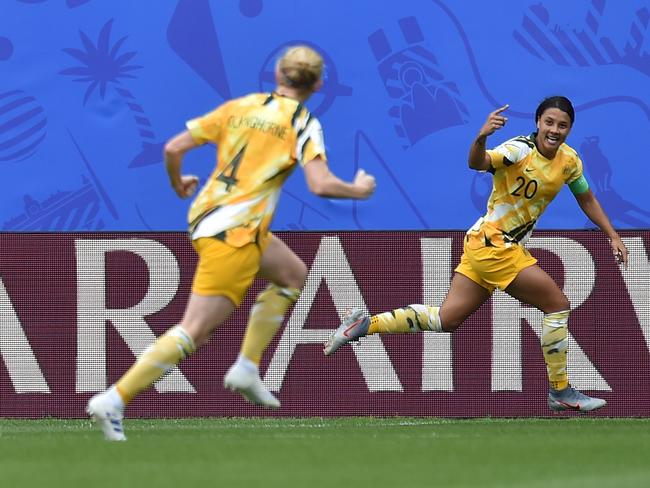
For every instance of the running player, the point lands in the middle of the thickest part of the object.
(528, 172)
(261, 138)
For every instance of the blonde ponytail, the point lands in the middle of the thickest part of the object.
(300, 67)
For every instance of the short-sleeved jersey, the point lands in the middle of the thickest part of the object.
(260, 139)
(524, 183)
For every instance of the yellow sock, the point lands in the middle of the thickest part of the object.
(555, 343)
(412, 318)
(265, 319)
(155, 361)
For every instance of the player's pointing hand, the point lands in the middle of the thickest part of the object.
(494, 122)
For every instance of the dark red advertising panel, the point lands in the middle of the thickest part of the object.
(76, 309)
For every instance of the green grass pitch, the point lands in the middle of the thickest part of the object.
(334, 453)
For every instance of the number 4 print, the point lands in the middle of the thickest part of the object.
(229, 173)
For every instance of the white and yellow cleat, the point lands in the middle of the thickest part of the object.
(243, 377)
(107, 415)
(355, 325)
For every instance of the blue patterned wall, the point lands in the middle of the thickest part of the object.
(91, 89)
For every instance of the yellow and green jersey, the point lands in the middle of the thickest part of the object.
(524, 183)
(260, 139)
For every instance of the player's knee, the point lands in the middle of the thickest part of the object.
(300, 275)
(293, 276)
(198, 336)
(559, 304)
(199, 330)
(450, 324)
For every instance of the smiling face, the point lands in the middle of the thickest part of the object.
(553, 127)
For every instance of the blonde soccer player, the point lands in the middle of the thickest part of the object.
(261, 138)
(528, 172)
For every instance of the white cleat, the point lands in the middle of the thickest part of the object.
(106, 416)
(248, 383)
(572, 399)
(355, 325)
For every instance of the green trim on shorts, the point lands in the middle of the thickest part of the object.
(579, 186)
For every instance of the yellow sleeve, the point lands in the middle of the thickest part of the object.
(576, 172)
(208, 128)
(310, 144)
(510, 152)
(495, 158)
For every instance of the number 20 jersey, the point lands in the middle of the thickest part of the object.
(260, 139)
(524, 183)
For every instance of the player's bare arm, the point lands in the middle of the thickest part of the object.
(322, 182)
(175, 149)
(478, 158)
(592, 209)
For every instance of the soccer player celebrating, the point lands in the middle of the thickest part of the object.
(260, 138)
(528, 172)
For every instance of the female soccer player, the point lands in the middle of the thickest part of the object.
(260, 138)
(528, 172)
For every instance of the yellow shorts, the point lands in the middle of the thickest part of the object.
(494, 267)
(225, 270)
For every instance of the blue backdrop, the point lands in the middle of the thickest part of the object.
(91, 89)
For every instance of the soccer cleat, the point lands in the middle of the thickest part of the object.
(354, 325)
(248, 383)
(572, 399)
(106, 416)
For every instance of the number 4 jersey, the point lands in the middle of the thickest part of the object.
(260, 139)
(524, 183)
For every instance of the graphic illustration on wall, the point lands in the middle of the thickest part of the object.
(406, 86)
(480, 190)
(81, 209)
(424, 102)
(6, 48)
(102, 63)
(584, 47)
(251, 8)
(366, 154)
(69, 3)
(620, 210)
(63, 211)
(193, 20)
(22, 126)
(323, 99)
(305, 212)
(75, 3)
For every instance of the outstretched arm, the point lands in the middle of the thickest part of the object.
(322, 182)
(592, 209)
(478, 159)
(175, 149)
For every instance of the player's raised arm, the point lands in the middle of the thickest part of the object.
(478, 158)
(322, 182)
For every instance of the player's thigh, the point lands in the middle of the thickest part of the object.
(462, 300)
(280, 265)
(534, 286)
